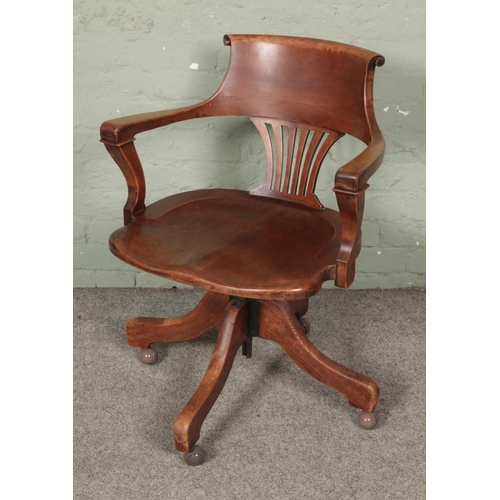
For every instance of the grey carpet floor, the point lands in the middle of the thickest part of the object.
(274, 432)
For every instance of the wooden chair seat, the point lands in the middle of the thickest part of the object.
(231, 242)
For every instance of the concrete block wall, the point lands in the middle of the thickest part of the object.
(133, 57)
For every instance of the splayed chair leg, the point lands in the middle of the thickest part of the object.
(232, 334)
(207, 314)
(279, 323)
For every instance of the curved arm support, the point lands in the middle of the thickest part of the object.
(127, 159)
(118, 136)
(351, 206)
(354, 175)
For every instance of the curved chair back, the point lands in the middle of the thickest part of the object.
(314, 82)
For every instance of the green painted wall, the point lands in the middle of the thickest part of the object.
(132, 57)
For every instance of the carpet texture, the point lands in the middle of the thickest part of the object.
(274, 433)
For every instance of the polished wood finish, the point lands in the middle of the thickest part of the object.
(351, 207)
(290, 171)
(260, 254)
(127, 159)
(231, 242)
(232, 334)
(207, 314)
(316, 86)
(278, 323)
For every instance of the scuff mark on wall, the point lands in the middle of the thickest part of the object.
(401, 112)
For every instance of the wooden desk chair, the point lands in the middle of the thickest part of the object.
(260, 254)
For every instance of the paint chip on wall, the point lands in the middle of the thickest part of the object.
(194, 66)
(401, 112)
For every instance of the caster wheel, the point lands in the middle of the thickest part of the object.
(305, 324)
(149, 356)
(367, 420)
(196, 456)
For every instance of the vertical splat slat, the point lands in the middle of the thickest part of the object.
(268, 148)
(330, 140)
(298, 160)
(278, 163)
(295, 179)
(289, 157)
(313, 145)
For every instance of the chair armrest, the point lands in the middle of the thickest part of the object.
(118, 136)
(354, 175)
(121, 130)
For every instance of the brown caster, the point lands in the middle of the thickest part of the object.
(149, 356)
(367, 420)
(196, 456)
(305, 324)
